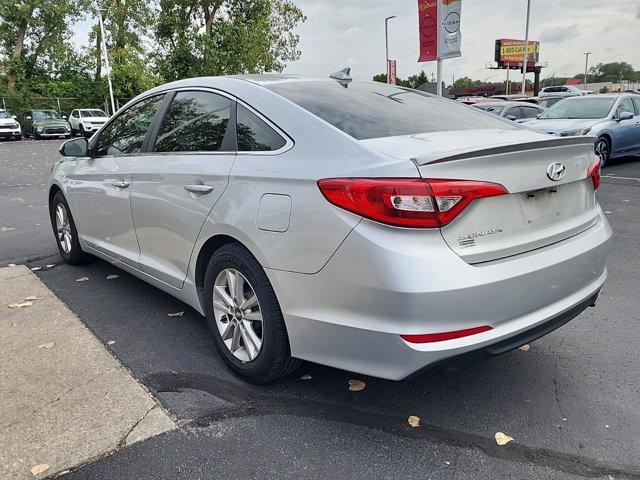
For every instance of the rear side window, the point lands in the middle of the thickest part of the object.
(254, 135)
(373, 110)
(194, 122)
(126, 133)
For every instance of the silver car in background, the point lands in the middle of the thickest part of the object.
(614, 120)
(359, 225)
(511, 110)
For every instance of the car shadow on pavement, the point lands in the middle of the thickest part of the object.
(166, 344)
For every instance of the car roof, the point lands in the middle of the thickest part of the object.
(507, 103)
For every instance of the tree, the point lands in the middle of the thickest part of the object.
(30, 30)
(220, 37)
(612, 72)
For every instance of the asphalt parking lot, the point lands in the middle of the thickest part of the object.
(571, 402)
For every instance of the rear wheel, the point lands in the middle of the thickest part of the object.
(603, 150)
(244, 316)
(64, 229)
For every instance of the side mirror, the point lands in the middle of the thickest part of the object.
(78, 147)
(538, 115)
(510, 117)
(14, 116)
(625, 116)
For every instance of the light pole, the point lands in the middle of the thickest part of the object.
(586, 64)
(106, 58)
(526, 49)
(386, 42)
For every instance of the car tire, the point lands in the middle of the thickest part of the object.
(18, 137)
(82, 132)
(65, 231)
(273, 359)
(36, 136)
(603, 149)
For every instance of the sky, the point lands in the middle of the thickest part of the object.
(341, 33)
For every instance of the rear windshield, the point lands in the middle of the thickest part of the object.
(497, 109)
(374, 110)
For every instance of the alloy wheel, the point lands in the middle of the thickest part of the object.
(602, 150)
(237, 314)
(63, 228)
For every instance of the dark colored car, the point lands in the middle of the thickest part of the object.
(45, 124)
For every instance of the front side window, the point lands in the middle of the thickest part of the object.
(194, 122)
(513, 112)
(625, 105)
(529, 112)
(490, 108)
(126, 133)
(373, 110)
(254, 135)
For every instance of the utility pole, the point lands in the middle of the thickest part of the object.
(586, 64)
(526, 50)
(106, 57)
(386, 43)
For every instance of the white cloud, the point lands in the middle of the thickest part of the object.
(341, 33)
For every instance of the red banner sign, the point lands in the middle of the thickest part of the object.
(428, 24)
(392, 72)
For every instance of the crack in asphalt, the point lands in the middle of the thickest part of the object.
(251, 402)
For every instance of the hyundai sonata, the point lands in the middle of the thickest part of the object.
(359, 225)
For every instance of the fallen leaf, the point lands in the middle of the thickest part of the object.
(175, 314)
(502, 439)
(83, 279)
(47, 345)
(20, 305)
(525, 348)
(356, 385)
(306, 376)
(51, 265)
(112, 277)
(17, 199)
(38, 469)
(35, 269)
(607, 212)
(414, 421)
(30, 297)
(111, 342)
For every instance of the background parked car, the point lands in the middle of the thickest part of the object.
(546, 102)
(45, 124)
(613, 119)
(517, 111)
(86, 121)
(9, 127)
(561, 91)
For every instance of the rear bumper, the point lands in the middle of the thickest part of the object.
(383, 282)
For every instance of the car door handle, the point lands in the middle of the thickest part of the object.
(121, 183)
(199, 188)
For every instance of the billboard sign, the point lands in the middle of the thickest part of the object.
(512, 52)
(439, 29)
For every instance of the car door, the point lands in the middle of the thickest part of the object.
(101, 182)
(73, 119)
(178, 181)
(635, 147)
(624, 131)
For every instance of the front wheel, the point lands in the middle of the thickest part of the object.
(603, 150)
(64, 228)
(244, 316)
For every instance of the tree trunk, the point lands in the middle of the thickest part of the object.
(17, 52)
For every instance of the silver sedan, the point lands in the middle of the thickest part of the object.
(359, 225)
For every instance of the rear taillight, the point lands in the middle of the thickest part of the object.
(594, 172)
(442, 336)
(406, 202)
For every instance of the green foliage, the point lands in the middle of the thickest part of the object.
(148, 42)
(414, 81)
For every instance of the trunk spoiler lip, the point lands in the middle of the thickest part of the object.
(431, 159)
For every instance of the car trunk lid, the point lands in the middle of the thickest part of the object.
(536, 212)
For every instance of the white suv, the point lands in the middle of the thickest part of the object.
(561, 91)
(86, 121)
(9, 127)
